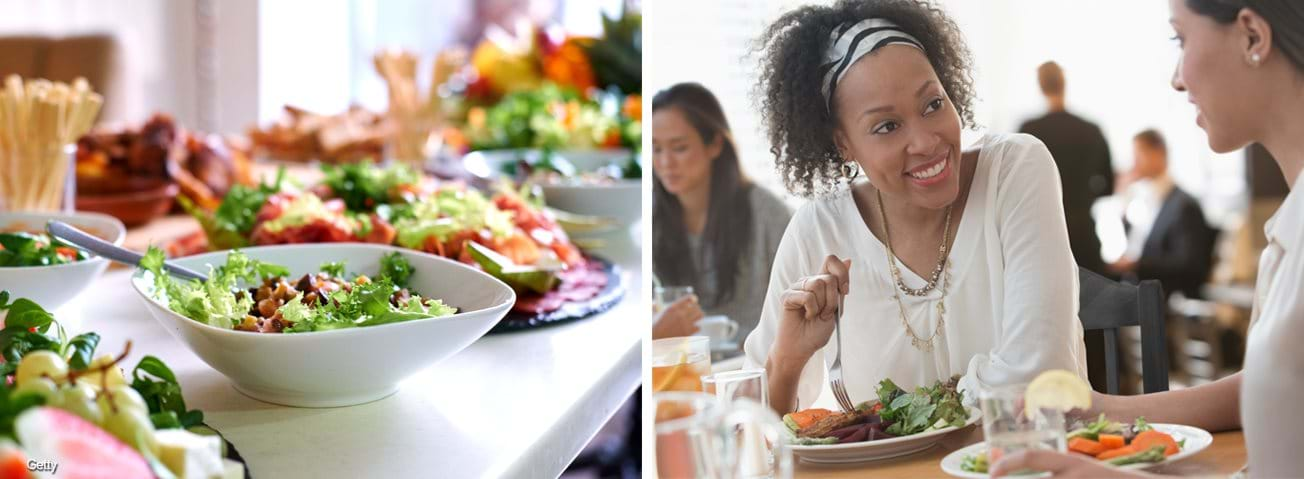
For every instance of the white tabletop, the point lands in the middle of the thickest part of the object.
(514, 405)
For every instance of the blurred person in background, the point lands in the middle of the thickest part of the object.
(1168, 239)
(712, 228)
(1082, 157)
(1086, 174)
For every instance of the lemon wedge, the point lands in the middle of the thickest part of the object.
(1056, 389)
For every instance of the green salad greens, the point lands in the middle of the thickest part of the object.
(364, 186)
(933, 407)
(26, 249)
(230, 225)
(315, 302)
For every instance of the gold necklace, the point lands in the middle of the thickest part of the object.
(891, 256)
(924, 345)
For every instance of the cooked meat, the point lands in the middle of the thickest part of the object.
(826, 426)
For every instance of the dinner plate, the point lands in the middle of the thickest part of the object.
(608, 298)
(1196, 440)
(880, 449)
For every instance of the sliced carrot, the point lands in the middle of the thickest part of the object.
(1113, 453)
(1151, 438)
(1085, 446)
(1111, 441)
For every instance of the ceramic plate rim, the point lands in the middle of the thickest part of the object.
(974, 415)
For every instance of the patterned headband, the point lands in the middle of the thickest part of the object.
(854, 40)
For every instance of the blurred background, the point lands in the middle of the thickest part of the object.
(1115, 61)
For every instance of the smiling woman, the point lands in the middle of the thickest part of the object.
(950, 259)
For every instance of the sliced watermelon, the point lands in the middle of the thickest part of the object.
(81, 449)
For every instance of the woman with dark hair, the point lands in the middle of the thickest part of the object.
(1242, 65)
(957, 260)
(712, 229)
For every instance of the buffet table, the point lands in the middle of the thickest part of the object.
(515, 405)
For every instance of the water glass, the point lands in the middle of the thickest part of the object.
(743, 383)
(698, 436)
(1008, 428)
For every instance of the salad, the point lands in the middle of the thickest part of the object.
(507, 233)
(895, 413)
(1119, 444)
(26, 249)
(551, 117)
(62, 403)
(314, 302)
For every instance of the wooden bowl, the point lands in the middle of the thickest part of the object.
(133, 208)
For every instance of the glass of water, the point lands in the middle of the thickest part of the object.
(1008, 428)
(743, 383)
(664, 296)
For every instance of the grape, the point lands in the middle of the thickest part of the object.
(97, 379)
(132, 427)
(122, 398)
(42, 363)
(79, 399)
(43, 387)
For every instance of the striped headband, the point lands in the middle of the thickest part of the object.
(854, 40)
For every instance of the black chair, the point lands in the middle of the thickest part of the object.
(1107, 305)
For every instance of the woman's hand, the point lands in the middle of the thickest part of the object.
(1059, 464)
(679, 319)
(809, 307)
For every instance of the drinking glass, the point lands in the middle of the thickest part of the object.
(698, 436)
(743, 383)
(678, 364)
(1008, 428)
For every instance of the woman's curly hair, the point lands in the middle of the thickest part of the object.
(799, 127)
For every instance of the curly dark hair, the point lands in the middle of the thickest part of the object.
(799, 127)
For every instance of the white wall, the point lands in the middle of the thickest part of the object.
(155, 48)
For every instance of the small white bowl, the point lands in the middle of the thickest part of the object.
(621, 200)
(52, 286)
(340, 367)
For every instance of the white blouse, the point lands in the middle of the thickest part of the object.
(1273, 381)
(1012, 304)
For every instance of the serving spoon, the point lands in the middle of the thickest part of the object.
(90, 243)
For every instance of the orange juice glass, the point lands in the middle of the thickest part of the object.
(678, 364)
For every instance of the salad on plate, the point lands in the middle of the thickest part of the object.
(895, 413)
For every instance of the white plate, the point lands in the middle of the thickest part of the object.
(880, 449)
(1196, 440)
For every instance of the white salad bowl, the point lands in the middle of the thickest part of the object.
(52, 286)
(340, 367)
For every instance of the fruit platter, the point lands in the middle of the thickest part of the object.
(73, 412)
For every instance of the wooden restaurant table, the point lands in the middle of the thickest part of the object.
(1223, 458)
(515, 405)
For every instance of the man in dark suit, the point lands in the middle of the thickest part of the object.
(1082, 157)
(1177, 249)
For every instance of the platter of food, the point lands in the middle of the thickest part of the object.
(66, 405)
(506, 232)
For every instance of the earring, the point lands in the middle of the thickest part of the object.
(1255, 59)
(850, 170)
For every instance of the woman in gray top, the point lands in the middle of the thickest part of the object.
(712, 229)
